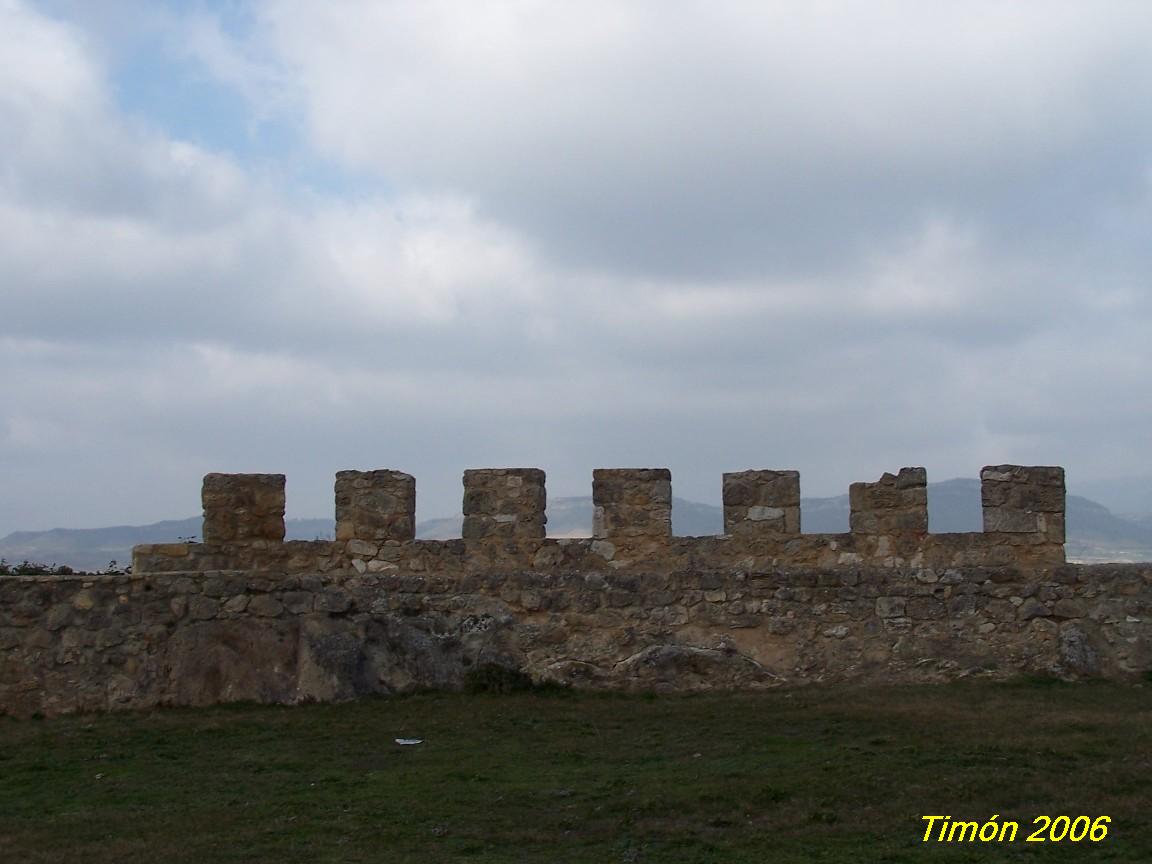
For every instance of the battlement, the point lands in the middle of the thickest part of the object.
(505, 514)
(247, 615)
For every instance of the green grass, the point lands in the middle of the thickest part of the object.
(817, 774)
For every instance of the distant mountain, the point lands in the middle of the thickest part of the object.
(94, 548)
(955, 506)
(572, 517)
(1094, 532)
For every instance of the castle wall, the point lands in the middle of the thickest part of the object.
(79, 644)
(250, 617)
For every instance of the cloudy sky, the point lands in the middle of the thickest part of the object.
(298, 237)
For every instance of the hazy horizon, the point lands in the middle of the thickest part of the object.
(424, 517)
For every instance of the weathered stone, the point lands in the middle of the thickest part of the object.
(633, 627)
(890, 607)
(894, 505)
(1011, 521)
(243, 509)
(265, 606)
(59, 616)
(1021, 499)
(202, 608)
(334, 600)
(1032, 608)
(508, 503)
(962, 606)
(1069, 608)
(762, 502)
(362, 548)
(220, 586)
(236, 604)
(1078, 655)
(298, 602)
(632, 503)
(375, 506)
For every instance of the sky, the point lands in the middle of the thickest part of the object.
(838, 236)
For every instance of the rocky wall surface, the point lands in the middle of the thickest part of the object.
(195, 638)
(762, 502)
(243, 508)
(377, 506)
(504, 502)
(896, 504)
(1023, 500)
(247, 616)
(632, 504)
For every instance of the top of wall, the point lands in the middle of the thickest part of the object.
(505, 517)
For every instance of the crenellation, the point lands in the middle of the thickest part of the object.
(762, 502)
(505, 517)
(375, 506)
(245, 615)
(893, 505)
(243, 509)
(632, 504)
(1024, 500)
(507, 503)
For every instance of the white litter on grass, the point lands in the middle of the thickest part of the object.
(409, 741)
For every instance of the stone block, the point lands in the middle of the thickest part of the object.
(243, 509)
(1020, 499)
(762, 502)
(632, 503)
(891, 607)
(375, 506)
(506, 503)
(895, 504)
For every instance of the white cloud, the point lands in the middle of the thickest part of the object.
(842, 237)
(421, 259)
(611, 131)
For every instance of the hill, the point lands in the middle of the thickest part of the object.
(94, 548)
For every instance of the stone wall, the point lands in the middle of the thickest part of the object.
(75, 643)
(506, 503)
(1023, 500)
(252, 617)
(632, 506)
(376, 506)
(243, 508)
(762, 502)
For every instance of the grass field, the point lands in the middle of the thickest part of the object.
(816, 774)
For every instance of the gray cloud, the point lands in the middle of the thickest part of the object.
(738, 138)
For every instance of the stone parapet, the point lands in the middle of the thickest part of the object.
(1020, 499)
(375, 506)
(894, 505)
(243, 509)
(505, 517)
(632, 503)
(762, 502)
(506, 503)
